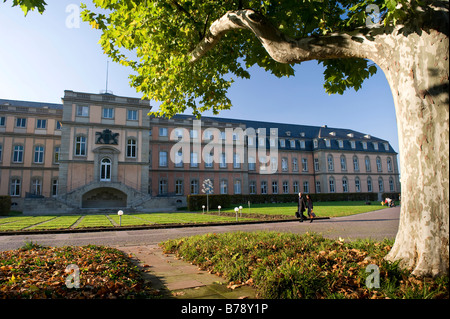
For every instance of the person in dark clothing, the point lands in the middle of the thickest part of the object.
(309, 205)
(301, 207)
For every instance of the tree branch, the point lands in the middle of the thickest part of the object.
(279, 46)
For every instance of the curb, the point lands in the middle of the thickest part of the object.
(145, 227)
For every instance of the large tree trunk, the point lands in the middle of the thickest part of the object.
(415, 61)
(418, 76)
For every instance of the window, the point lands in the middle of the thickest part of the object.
(105, 170)
(2, 121)
(389, 164)
(302, 144)
(55, 187)
(379, 167)
(15, 187)
(375, 146)
(282, 143)
(179, 159)
(296, 187)
(316, 164)
(131, 148)
(193, 133)
(295, 164)
(353, 144)
(80, 146)
(364, 144)
(236, 160)
(355, 164)
(386, 146)
(261, 141)
(328, 143)
(263, 187)
(56, 154)
(369, 184)
(208, 134)
(223, 186)
(304, 164)
(284, 164)
(132, 115)
(250, 140)
(223, 163)
(330, 162)
(343, 163)
(163, 158)
(274, 187)
(194, 186)
(36, 186)
(285, 187)
(58, 125)
(292, 143)
(251, 163)
(331, 183)
(39, 154)
(305, 187)
(272, 142)
(21, 122)
(1, 152)
(237, 186)
(316, 143)
(163, 131)
(367, 162)
(42, 124)
(162, 186)
(18, 154)
(341, 143)
(344, 185)
(108, 113)
(357, 184)
(209, 158)
(194, 159)
(380, 185)
(82, 110)
(179, 187)
(274, 163)
(318, 190)
(252, 187)
(391, 184)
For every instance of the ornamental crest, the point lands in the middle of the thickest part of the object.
(106, 137)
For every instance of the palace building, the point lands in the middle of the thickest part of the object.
(102, 151)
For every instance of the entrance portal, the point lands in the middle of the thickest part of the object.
(104, 197)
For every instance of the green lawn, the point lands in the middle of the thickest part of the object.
(321, 209)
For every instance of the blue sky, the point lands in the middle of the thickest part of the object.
(40, 57)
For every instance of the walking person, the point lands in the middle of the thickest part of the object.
(309, 205)
(301, 207)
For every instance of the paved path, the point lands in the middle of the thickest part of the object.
(377, 225)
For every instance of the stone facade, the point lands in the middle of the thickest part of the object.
(102, 151)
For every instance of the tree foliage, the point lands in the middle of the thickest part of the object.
(154, 38)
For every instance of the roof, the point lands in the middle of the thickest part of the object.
(308, 133)
(31, 104)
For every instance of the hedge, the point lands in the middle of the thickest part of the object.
(195, 202)
(5, 205)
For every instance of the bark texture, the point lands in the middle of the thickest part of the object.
(415, 60)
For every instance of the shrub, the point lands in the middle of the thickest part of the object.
(5, 205)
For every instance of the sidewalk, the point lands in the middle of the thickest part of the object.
(179, 279)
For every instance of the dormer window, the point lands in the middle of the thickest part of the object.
(386, 146)
(341, 143)
(316, 143)
(353, 144)
(364, 144)
(328, 143)
(375, 146)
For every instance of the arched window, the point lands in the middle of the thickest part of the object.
(344, 185)
(330, 162)
(357, 184)
(105, 170)
(331, 184)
